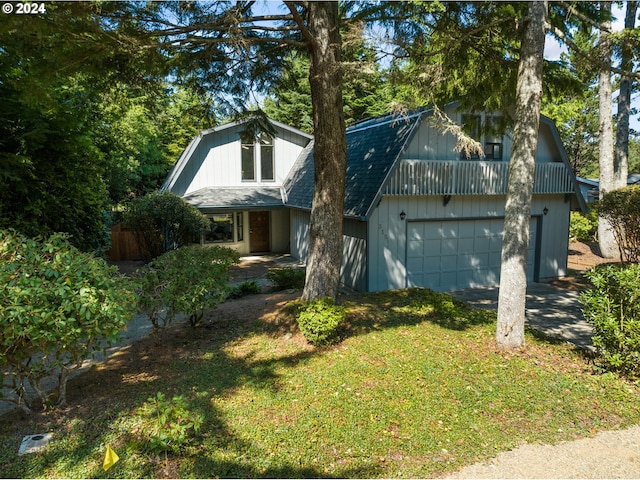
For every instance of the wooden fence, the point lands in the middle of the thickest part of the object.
(123, 244)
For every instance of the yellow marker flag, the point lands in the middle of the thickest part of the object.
(110, 458)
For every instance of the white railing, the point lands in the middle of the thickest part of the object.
(420, 177)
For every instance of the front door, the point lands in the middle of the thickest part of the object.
(259, 232)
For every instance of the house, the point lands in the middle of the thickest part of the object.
(590, 187)
(417, 212)
(236, 179)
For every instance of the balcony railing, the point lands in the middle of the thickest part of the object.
(420, 177)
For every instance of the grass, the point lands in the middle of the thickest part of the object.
(415, 389)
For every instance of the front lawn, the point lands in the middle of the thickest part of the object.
(416, 389)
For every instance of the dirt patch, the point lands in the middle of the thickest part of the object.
(584, 255)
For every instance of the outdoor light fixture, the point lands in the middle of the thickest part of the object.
(545, 210)
(403, 215)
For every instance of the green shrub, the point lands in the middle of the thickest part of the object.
(583, 227)
(613, 307)
(163, 221)
(287, 278)
(168, 425)
(188, 280)
(57, 307)
(246, 288)
(320, 321)
(622, 209)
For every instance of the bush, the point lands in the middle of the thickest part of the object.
(57, 307)
(622, 209)
(320, 320)
(168, 425)
(583, 227)
(287, 278)
(187, 280)
(163, 221)
(246, 288)
(613, 307)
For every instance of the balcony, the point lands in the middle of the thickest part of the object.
(420, 177)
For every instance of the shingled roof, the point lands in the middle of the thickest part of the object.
(373, 148)
(214, 198)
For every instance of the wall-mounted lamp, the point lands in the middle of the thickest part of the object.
(445, 200)
(545, 210)
(403, 215)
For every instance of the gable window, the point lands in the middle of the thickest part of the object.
(486, 134)
(257, 156)
(266, 158)
(492, 139)
(248, 159)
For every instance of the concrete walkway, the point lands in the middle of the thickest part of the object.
(551, 310)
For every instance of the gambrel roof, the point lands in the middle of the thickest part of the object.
(182, 164)
(373, 148)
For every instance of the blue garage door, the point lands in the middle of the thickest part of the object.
(452, 254)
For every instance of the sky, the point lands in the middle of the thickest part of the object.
(553, 49)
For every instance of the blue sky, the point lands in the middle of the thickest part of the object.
(553, 50)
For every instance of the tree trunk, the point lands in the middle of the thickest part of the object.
(330, 152)
(607, 241)
(621, 155)
(513, 271)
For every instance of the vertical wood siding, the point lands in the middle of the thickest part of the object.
(388, 242)
(215, 162)
(354, 250)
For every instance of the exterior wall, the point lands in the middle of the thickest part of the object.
(354, 250)
(216, 161)
(554, 239)
(279, 231)
(354, 255)
(388, 238)
(547, 147)
(430, 144)
(299, 234)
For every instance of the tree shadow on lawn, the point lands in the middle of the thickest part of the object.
(203, 364)
(375, 311)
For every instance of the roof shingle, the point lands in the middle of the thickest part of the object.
(373, 148)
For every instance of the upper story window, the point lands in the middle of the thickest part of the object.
(248, 159)
(257, 155)
(488, 135)
(266, 158)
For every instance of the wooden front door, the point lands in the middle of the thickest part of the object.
(259, 232)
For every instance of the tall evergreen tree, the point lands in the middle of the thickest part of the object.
(621, 156)
(515, 242)
(606, 238)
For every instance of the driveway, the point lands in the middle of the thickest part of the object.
(551, 310)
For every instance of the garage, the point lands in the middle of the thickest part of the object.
(447, 254)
